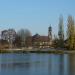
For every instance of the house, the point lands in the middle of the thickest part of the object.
(4, 35)
(8, 35)
(38, 41)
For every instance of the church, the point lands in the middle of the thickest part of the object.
(38, 41)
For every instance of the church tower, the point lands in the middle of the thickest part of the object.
(50, 34)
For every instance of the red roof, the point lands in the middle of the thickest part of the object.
(41, 39)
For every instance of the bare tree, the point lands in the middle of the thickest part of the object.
(23, 33)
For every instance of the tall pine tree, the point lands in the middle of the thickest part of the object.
(61, 32)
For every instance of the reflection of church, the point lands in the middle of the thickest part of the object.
(38, 41)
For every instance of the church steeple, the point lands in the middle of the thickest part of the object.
(50, 32)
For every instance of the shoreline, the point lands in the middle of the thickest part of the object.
(49, 50)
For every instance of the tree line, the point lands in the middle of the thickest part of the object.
(58, 41)
(69, 42)
(11, 40)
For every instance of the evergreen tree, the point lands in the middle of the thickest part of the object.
(61, 32)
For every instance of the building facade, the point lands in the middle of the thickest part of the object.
(38, 41)
(9, 34)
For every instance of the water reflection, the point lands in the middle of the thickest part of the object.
(72, 64)
(37, 64)
(56, 66)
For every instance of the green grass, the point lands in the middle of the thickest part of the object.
(23, 51)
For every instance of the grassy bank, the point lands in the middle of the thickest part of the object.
(31, 51)
(38, 51)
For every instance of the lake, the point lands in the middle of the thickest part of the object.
(37, 64)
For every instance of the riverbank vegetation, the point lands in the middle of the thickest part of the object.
(69, 42)
(33, 51)
(23, 38)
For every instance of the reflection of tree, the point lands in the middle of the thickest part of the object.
(16, 62)
(61, 65)
(72, 64)
(56, 65)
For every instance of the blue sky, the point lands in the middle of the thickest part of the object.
(35, 15)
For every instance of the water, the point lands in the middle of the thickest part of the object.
(37, 64)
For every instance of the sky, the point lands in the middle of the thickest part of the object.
(35, 15)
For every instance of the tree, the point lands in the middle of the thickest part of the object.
(17, 41)
(23, 34)
(55, 42)
(71, 33)
(4, 44)
(61, 32)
